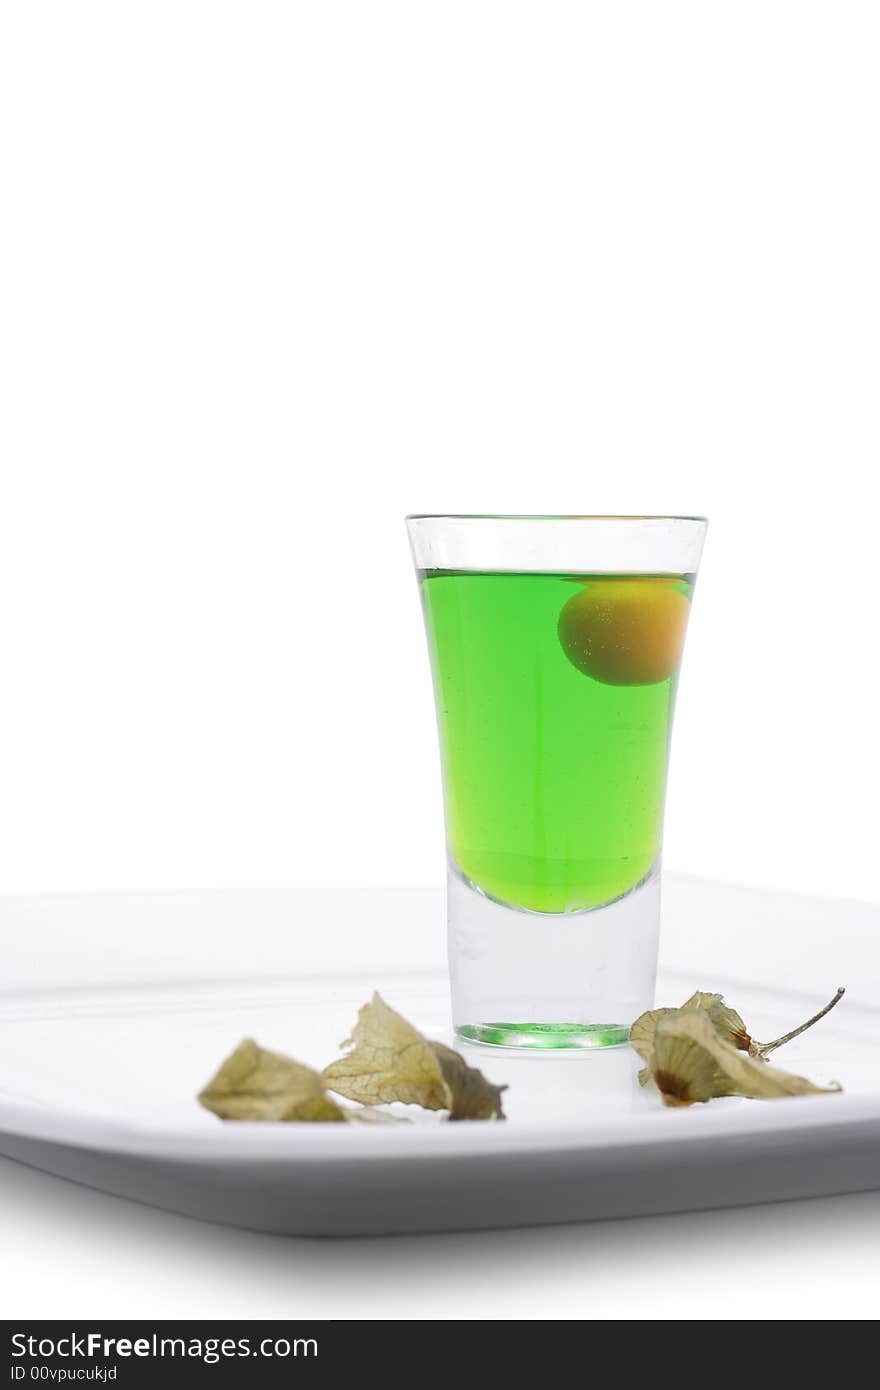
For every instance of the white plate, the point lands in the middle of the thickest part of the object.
(115, 1009)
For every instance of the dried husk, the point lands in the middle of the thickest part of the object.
(391, 1060)
(691, 1063)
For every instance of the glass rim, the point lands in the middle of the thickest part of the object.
(548, 516)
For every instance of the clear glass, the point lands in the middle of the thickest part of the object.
(555, 645)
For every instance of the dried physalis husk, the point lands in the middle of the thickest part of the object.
(254, 1084)
(726, 1022)
(391, 1061)
(691, 1063)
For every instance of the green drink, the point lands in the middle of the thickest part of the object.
(555, 645)
(555, 772)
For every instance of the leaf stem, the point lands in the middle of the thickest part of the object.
(764, 1049)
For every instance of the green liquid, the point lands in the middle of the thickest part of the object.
(554, 780)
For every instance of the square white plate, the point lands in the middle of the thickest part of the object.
(115, 1009)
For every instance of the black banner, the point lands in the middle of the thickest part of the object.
(135, 1353)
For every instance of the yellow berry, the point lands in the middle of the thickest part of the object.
(626, 631)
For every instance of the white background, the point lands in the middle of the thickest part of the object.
(275, 274)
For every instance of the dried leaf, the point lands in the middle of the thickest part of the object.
(392, 1061)
(691, 1063)
(253, 1084)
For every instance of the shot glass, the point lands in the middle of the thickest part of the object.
(555, 645)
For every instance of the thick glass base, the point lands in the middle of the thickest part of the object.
(566, 982)
(547, 1036)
